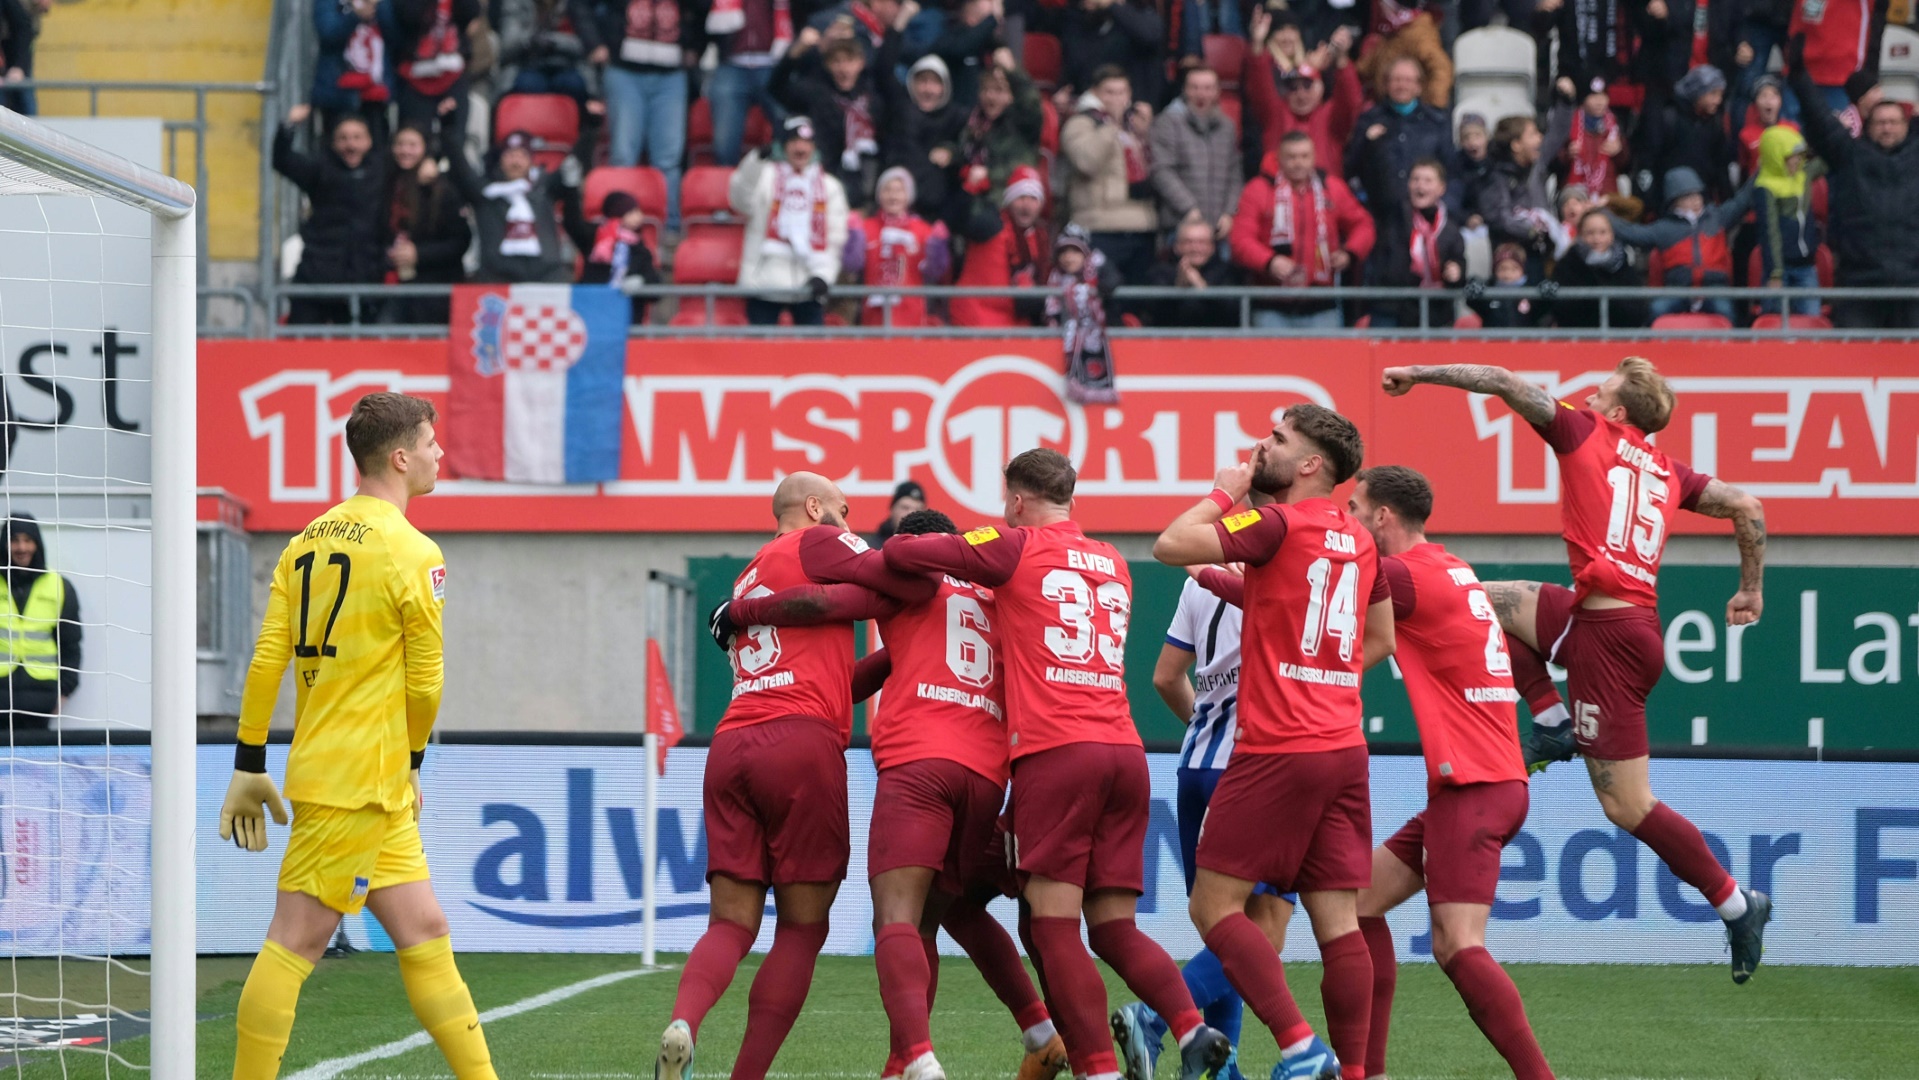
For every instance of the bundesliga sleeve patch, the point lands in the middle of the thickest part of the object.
(436, 577)
(982, 535)
(1243, 520)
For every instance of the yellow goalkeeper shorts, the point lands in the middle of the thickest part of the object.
(338, 856)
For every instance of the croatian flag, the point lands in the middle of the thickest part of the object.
(535, 374)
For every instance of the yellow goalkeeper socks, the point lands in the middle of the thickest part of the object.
(444, 1007)
(266, 1012)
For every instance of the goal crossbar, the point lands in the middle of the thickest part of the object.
(37, 160)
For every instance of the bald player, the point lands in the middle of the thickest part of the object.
(775, 787)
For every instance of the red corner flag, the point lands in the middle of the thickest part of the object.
(662, 713)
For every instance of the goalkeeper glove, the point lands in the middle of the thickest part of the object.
(243, 817)
(413, 779)
(721, 625)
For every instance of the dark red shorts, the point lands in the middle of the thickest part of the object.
(1079, 814)
(775, 799)
(941, 815)
(1455, 842)
(1612, 657)
(1297, 822)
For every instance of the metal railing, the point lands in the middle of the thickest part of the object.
(1437, 309)
(172, 128)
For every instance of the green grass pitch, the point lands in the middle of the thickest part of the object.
(1596, 1022)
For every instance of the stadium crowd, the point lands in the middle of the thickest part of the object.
(790, 145)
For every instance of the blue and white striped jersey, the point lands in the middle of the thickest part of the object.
(1208, 627)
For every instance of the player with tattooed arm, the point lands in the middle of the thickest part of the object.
(1620, 492)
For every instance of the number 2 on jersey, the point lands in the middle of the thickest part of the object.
(1333, 608)
(305, 565)
(1498, 661)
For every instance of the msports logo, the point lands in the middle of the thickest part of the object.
(709, 432)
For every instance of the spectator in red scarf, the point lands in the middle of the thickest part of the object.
(1001, 135)
(893, 246)
(354, 73)
(1419, 246)
(1281, 99)
(615, 249)
(796, 225)
(1006, 245)
(833, 87)
(1595, 154)
(429, 49)
(426, 233)
(1109, 180)
(1298, 227)
(1080, 289)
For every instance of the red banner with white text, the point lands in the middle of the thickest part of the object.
(1826, 433)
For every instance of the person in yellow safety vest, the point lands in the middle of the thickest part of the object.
(39, 630)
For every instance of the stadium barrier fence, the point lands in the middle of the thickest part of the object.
(1437, 307)
(538, 848)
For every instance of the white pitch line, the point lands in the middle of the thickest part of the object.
(327, 1070)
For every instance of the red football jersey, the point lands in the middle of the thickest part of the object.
(789, 670)
(943, 698)
(1618, 496)
(1311, 573)
(1063, 602)
(1458, 675)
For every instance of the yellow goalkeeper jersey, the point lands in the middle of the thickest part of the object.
(355, 607)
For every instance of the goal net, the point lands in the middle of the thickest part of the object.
(97, 611)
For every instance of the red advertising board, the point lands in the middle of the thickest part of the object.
(1827, 434)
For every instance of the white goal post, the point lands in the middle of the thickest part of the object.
(36, 160)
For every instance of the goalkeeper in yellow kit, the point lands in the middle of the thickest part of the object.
(355, 607)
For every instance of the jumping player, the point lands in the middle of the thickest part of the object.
(355, 608)
(1620, 492)
(774, 793)
(1294, 810)
(935, 853)
(1452, 653)
(1204, 637)
(1081, 795)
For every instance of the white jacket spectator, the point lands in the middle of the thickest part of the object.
(796, 224)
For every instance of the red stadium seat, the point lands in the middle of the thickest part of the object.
(703, 193)
(1819, 194)
(1692, 320)
(1043, 59)
(727, 311)
(1469, 320)
(1225, 54)
(552, 119)
(1048, 126)
(1230, 105)
(709, 255)
(1822, 264)
(1799, 322)
(699, 132)
(1655, 268)
(645, 184)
